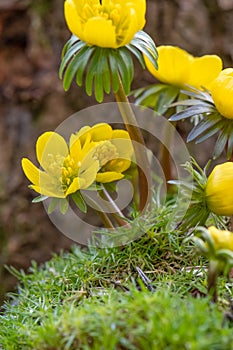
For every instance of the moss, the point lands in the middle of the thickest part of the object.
(95, 299)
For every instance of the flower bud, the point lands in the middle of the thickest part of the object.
(222, 239)
(219, 189)
(222, 93)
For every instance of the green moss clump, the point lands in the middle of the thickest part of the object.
(94, 299)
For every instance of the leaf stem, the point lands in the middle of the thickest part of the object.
(144, 175)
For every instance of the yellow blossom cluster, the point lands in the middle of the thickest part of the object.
(96, 153)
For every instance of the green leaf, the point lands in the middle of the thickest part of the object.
(106, 74)
(212, 131)
(39, 199)
(52, 205)
(98, 78)
(220, 144)
(230, 145)
(145, 50)
(83, 64)
(92, 70)
(127, 59)
(137, 54)
(64, 205)
(202, 127)
(145, 44)
(191, 102)
(200, 95)
(79, 201)
(114, 71)
(68, 44)
(165, 98)
(147, 41)
(191, 111)
(70, 54)
(72, 68)
(95, 187)
(142, 94)
(125, 74)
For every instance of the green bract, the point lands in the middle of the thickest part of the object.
(198, 211)
(100, 67)
(202, 104)
(157, 96)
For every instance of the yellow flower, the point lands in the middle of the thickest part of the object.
(222, 239)
(112, 24)
(219, 189)
(222, 93)
(112, 148)
(177, 67)
(65, 169)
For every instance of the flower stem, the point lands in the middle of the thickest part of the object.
(164, 154)
(212, 280)
(144, 175)
(118, 215)
(103, 216)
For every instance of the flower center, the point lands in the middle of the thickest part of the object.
(63, 168)
(113, 12)
(104, 152)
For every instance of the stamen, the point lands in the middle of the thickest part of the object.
(105, 152)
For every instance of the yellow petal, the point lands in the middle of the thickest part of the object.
(79, 135)
(72, 18)
(173, 65)
(108, 176)
(140, 9)
(204, 70)
(117, 165)
(124, 147)
(50, 193)
(219, 193)
(100, 32)
(75, 151)
(132, 28)
(89, 174)
(120, 134)
(101, 131)
(31, 171)
(42, 182)
(75, 185)
(222, 239)
(35, 175)
(50, 143)
(222, 93)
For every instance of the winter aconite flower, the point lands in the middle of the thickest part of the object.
(222, 93)
(177, 70)
(219, 189)
(177, 67)
(111, 24)
(65, 170)
(217, 246)
(221, 239)
(112, 148)
(211, 196)
(105, 36)
(216, 110)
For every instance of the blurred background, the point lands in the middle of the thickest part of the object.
(32, 100)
